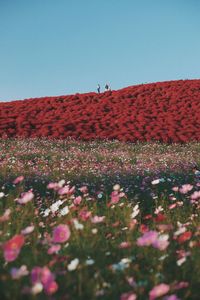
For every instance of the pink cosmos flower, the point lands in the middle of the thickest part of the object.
(12, 247)
(77, 200)
(162, 242)
(46, 278)
(18, 273)
(114, 197)
(185, 188)
(124, 245)
(171, 297)
(172, 206)
(175, 189)
(53, 185)
(148, 238)
(66, 190)
(83, 189)
(53, 249)
(25, 197)
(131, 281)
(18, 179)
(97, 219)
(128, 296)
(195, 195)
(158, 291)
(27, 230)
(181, 285)
(5, 216)
(61, 234)
(84, 214)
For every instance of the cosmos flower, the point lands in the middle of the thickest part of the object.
(17, 273)
(28, 230)
(135, 211)
(185, 188)
(83, 189)
(128, 296)
(148, 238)
(156, 181)
(25, 197)
(114, 197)
(13, 247)
(54, 249)
(45, 278)
(77, 200)
(184, 237)
(97, 219)
(6, 216)
(61, 234)
(64, 211)
(84, 214)
(158, 291)
(73, 264)
(66, 190)
(195, 195)
(18, 179)
(116, 187)
(2, 195)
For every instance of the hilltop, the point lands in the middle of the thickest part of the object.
(162, 111)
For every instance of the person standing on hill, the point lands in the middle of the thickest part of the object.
(98, 88)
(107, 88)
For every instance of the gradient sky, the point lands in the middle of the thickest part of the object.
(59, 47)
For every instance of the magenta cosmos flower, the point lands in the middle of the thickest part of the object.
(12, 247)
(61, 234)
(46, 278)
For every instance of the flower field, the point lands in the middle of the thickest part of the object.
(163, 111)
(99, 220)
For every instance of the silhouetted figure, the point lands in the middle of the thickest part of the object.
(98, 88)
(107, 88)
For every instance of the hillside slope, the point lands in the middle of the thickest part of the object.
(164, 111)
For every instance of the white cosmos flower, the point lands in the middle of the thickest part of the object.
(2, 194)
(78, 225)
(73, 264)
(46, 212)
(89, 262)
(135, 211)
(61, 183)
(116, 187)
(55, 206)
(180, 231)
(37, 288)
(156, 181)
(158, 210)
(64, 211)
(181, 261)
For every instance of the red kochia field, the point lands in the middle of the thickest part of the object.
(163, 111)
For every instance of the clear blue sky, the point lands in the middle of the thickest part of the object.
(57, 47)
